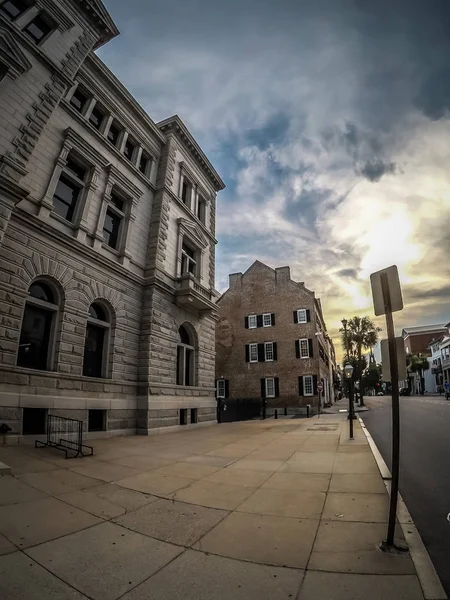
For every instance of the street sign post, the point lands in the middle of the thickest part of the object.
(387, 298)
(319, 390)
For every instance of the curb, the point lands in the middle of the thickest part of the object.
(431, 585)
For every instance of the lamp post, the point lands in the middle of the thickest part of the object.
(348, 372)
(344, 325)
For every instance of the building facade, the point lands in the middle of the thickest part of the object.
(271, 340)
(421, 340)
(107, 237)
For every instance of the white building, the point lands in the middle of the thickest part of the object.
(107, 237)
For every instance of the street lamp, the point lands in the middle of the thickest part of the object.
(344, 325)
(348, 372)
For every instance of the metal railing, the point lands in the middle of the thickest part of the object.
(65, 435)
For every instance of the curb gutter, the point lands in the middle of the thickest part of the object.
(431, 586)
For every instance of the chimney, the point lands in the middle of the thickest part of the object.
(282, 274)
(235, 281)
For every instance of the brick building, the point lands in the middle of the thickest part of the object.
(271, 340)
(417, 339)
(107, 237)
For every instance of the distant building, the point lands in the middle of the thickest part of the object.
(272, 341)
(418, 339)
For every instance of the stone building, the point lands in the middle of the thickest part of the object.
(107, 237)
(271, 340)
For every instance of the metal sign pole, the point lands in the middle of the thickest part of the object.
(395, 411)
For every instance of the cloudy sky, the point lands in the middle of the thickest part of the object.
(329, 121)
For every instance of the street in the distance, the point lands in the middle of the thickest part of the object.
(424, 466)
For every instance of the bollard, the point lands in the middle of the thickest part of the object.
(276, 414)
(308, 407)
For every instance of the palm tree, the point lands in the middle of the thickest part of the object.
(358, 334)
(417, 363)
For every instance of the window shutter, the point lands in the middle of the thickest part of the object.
(297, 348)
(300, 386)
(310, 348)
(259, 321)
(272, 318)
(227, 388)
(295, 316)
(247, 353)
(261, 353)
(277, 387)
(246, 322)
(275, 355)
(315, 384)
(263, 387)
(308, 315)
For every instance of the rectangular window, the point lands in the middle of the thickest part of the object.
(144, 164)
(96, 420)
(308, 385)
(268, 351)
(39, 27)
(14, 8)
(96, 117)
(186, 192)
(304, 348)
(116, 202)
(253, 348)
(65, 197)
(183, 416)
(201, 209)
(114, 133)
(267, 320)
(188, 260)
(221, 388)
(270, 387)
(194, 415)
(79, 99)
(34, 421)
(128, 149)
(111, 228)
(252, 322)
(302, 316)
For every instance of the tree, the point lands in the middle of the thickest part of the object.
(358, 334)
(417, 363)
(372, 377)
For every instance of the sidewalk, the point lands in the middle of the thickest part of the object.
(265, 510)
(341, 406)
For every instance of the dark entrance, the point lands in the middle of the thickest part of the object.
(93, 351)
(238, 409)
(34, 421)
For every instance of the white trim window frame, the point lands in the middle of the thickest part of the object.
(304, 347)
(252, 322)
(308, 385)
(302, 316)
(190, 259)
(268, 352)
(253, 353)
(270, 387)
(267, 320)
(221, 388)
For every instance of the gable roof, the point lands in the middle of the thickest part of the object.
(176, 125)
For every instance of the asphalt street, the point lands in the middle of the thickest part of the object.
(424, 467)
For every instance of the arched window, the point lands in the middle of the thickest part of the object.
(185, 357)
(38, 328)
(96, 343)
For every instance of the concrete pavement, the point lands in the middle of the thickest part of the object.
(270, 509)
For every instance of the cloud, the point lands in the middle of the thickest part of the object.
(329, 121)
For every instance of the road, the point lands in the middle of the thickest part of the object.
(424, 467)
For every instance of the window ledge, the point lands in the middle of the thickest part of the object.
(62, 220)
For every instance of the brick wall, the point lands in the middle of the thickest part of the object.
(264, 290)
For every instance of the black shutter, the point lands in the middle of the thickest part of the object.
(310, 348)
(300, 385)
(261, 356)
(295, 316)
(297, 348)
(259, 321)
(247, 353)
(277, 387)
(315, 385)
(275, 355)
(227, 388)
(263, 387)
(272, 319)
(308, 315)
(246, 322)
